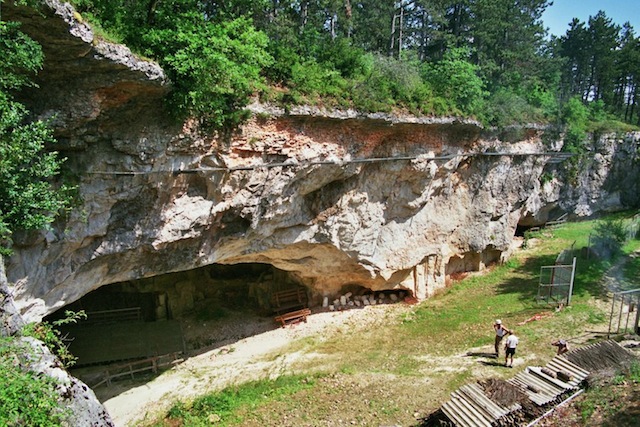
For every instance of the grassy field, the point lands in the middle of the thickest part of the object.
(404, 365)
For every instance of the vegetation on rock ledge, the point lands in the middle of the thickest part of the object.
(28, 198)
(490, 59)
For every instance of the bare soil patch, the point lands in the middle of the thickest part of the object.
(241, 349)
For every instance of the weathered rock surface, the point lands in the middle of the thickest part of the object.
(83, 407)
(301, 191)
(10, 319)
(76, 398)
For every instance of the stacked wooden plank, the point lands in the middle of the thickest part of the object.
(539, 388)
(469, 406)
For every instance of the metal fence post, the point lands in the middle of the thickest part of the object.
(573, 275)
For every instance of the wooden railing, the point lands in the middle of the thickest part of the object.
(133, 314)
(134, 367)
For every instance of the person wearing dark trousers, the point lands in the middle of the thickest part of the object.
(501, 331)
(510, 348)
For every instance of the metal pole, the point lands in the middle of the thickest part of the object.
(636, 328)
(573, 275)
(620, 316)
(626, 324)
(613, 304)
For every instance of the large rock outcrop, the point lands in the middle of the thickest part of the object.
(334, 198)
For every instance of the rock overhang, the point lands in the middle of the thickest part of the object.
(334, 197)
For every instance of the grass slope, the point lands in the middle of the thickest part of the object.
(404, 366)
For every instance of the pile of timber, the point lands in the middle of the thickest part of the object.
(602, 356)
(498, 403)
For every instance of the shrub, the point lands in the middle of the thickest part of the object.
(505, 108)
(390, 82)
(575, 115)
(52, 338)
(610, 236)
(312, 78)
(26, 398)
(457, 80)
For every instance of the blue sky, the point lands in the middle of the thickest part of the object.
(558, 16)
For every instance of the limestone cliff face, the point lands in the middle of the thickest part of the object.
(334, 198)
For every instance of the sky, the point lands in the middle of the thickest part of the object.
(558, 16)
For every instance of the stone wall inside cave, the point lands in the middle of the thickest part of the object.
(198, 292)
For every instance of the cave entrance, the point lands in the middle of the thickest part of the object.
(176, 312)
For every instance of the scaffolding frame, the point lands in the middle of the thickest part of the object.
(556, 284)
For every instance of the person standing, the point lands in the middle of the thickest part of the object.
(501, 331)
(510, 347)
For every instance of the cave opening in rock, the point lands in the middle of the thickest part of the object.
(176, 312)
(521, 230)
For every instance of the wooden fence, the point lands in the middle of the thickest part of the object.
(151, 364)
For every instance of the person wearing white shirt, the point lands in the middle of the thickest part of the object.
(501, 331)
(510, 347)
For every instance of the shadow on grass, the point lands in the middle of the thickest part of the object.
(629, 415)
(481, 354)
(493, 363)
(587, 281)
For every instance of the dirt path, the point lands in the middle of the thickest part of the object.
(265, 355)
(244, 360)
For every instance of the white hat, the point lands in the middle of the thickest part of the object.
(498, 322)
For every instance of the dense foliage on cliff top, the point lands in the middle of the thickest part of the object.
(488, 59)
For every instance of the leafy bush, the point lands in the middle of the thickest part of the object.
(610, 236)
(543, 99)
(506, 108)
(311, 78)
(215, 67)
(575, 115)
(28, 198)
(52, 337)
(389, 83)
(21, 57)
(26, 398)
(341, 56)
(457, 81)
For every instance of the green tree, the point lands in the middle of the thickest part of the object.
(215, 67)
(28, 198)
(507, 36)
(456, 80)
(210, 50)
(575, 116)
(604, 44)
